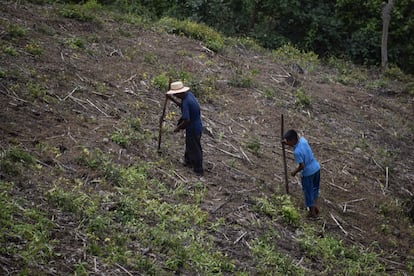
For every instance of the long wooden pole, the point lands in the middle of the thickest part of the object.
(284, 154)
(162, 119)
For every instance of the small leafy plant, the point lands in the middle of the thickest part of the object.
(36, 91)
(270, 261)
(75, 43)
(34, 49)
(15, 30)
(254, 146)
(242, 79)
(14, 160)
(10, 50)
(161, 81)
(301, 99)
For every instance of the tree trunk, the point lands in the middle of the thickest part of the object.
(386, 18)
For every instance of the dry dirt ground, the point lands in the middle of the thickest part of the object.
(355, 133)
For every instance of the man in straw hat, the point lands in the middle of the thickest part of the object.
(190, 121)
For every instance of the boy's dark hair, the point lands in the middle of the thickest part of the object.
(291, 135)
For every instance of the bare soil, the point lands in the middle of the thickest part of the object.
(356, 133)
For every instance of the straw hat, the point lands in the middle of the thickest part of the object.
(177, 87)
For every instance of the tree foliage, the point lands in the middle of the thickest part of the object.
(344, 28)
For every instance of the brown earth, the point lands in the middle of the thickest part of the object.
(355, 132)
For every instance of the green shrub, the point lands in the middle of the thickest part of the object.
(15, 30)
(301, 99)
(75, 13)
(212, 39)
(409, 88)
(347, 73)
(129, 18)
(248, 43)
(10, 50)
(254, 146)
(395, 73)
(36, 91)
(161, 82)
(84, 12)
(75, 43)
(34, 49)
(15, 160)
(243, 79)
(289, 55)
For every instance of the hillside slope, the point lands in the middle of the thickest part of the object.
(82, 99)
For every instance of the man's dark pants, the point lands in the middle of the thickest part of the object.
(193, 155)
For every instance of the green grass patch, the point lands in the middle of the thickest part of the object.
(25, 232)
(271, 262)
(339, 259)
(137, 213)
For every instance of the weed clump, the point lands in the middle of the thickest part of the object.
(15, 160)
(213, 40)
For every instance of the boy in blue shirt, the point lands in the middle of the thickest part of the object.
(190, 121)
(309, 167)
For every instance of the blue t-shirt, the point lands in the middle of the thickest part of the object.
(303, 154)
(190, 110)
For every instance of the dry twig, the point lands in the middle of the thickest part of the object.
(92, 104)
(124, 269)
(226, 152)
(340, 226)
(70, 94)
(239, 238)
(339, 187)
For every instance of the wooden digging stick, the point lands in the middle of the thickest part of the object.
(162, 119)
(284, 156)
